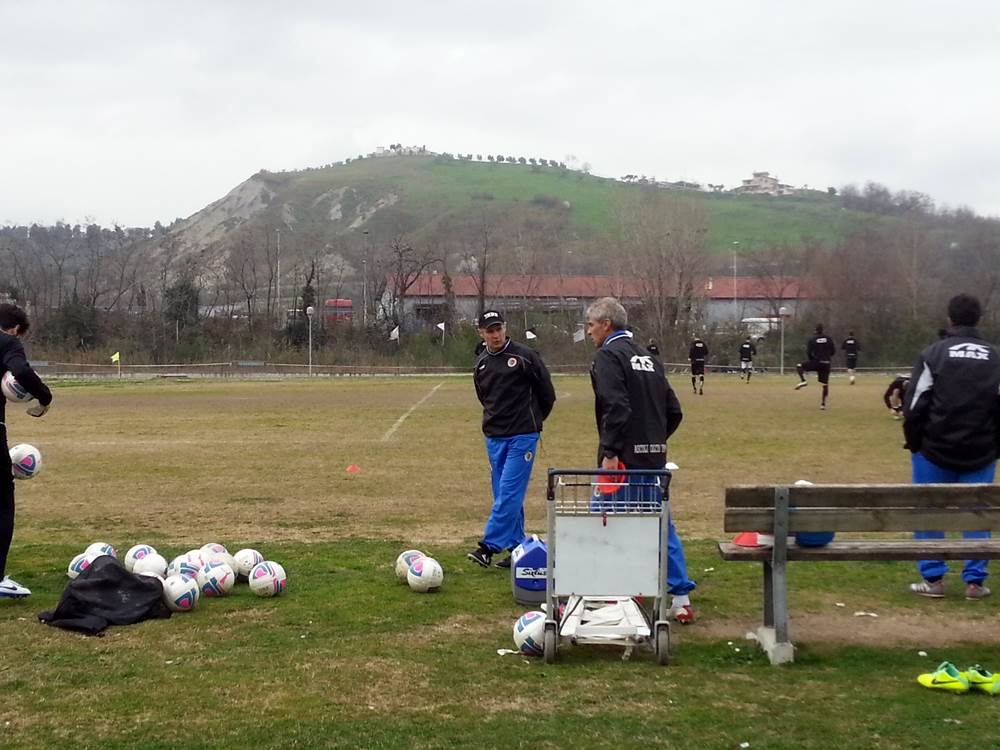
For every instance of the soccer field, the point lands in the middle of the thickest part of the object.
(349, 658)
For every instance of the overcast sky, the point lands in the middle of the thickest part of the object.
(132, 112)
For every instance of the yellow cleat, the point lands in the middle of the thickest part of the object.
(982, 680)
(945, 677)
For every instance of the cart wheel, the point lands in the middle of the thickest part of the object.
(663, 645)
(550, 644)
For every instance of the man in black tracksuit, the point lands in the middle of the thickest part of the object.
(698, 354)
(516, 392)
(952, 427)
(13, 325)
(636, 412)
(747, 352)
(819, 355)
(851, 348)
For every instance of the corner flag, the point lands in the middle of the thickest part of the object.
(530, 335)
(394, 334)
(116, 357)
(579, 336)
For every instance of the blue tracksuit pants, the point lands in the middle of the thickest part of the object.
(927, 472)
(511, 459)
(678, 582)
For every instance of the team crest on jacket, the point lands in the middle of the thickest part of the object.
(527, 457)
(512, 362)
(969, 351)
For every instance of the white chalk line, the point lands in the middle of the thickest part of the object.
(389, 433)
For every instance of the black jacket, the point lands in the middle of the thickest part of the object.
(636, 409)
(515, 390)
(851, 346)
(896, 388)
(747, 351)
(698, 351)
(820, 349)
(952, 405)
(12, 360)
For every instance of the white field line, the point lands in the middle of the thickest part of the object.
(389, 433)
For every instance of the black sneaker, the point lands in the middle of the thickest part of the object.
(481, 556)
(503, 564)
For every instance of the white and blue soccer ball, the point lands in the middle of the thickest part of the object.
(216, 579)
(404, 561)
(529, 633)
(135, 554)
(25, 460)
(152, 564)
(425, 575)
(267, 578)
(180, 593)
(12, 390)
(102, 548)
(80, 563)
(213, 548)
(246, 559)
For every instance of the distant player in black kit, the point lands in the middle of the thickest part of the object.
(851, 348)
(819, 354)
(698, 354)
(895, 394)
(747, 353)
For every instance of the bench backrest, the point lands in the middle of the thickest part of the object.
(864, 507)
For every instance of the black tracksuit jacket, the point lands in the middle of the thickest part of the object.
(821, 349)
(12, 360)
(952, 405)
(515, 389)
(747, 351)
(635, 407)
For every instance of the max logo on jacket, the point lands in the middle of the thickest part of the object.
(642, 363)
(969, 351)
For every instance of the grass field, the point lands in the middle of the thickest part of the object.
(349, 658)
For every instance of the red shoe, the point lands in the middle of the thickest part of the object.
(684, 614)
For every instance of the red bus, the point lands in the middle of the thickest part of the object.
(335, 310)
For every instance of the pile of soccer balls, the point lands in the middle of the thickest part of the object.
(422, 573)
(209, 571)
(25, 459)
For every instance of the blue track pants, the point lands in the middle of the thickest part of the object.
(927, 472)
(511, 459)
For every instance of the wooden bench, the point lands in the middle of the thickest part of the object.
(784, 510)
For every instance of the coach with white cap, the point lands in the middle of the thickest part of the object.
(516, 392)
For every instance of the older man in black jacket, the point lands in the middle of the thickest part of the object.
(636, 411)
(952, 424)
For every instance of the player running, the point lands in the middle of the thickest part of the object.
(851, 348)
(895, 394)
(819, 354)
(698, 354)
(747, 352)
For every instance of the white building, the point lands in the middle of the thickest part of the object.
(762, 183)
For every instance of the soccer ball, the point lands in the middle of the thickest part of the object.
(223, 557)
(529, 633)
(180, 594)
(245, 560)
(136, 553)
(267, 578)
(216, 579)
(80, 563)
(26, 461)
(12, 390)
(213, 548)
(182, 566)
(102, 548)
(153, 563)
(425, 574)
(404, 561)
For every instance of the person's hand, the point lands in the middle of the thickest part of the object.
(37, 410)
(610, 463)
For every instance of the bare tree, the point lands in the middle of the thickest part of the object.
(404, 266)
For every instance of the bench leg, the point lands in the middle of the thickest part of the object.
(773, 634)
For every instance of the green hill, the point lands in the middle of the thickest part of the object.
(409, 193)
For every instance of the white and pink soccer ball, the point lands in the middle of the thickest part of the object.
(80, 563)
(180, 593)
(102, 548)
(425, 575)
(152, 565)
(246, 559)
(12, 390)
(268, 578)
(404, 561)
(25, 461)
(136, 553)
(216, 579)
